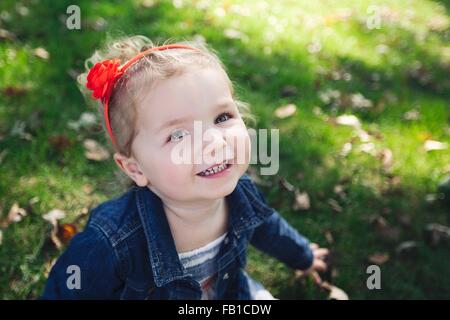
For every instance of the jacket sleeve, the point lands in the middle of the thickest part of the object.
(86, 270)
(279, 239)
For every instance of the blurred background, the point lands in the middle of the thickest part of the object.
(360, 92)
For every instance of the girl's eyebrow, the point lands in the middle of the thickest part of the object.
(173, 122)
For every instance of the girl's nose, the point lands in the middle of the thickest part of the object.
(215, 145)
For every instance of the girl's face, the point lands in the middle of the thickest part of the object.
(187, 124)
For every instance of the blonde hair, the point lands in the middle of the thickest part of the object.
(142, 76)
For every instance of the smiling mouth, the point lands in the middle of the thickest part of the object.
(215, 169)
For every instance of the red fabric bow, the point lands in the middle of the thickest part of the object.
(102, 77)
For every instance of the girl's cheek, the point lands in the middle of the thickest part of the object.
(176, 172)
(239, 138)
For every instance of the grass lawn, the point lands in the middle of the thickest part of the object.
(372, 185)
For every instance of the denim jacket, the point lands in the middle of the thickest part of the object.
(127, 251)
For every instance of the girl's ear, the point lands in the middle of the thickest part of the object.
(131, 168)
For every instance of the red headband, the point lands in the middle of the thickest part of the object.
(103, 76)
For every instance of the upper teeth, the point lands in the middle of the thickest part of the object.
(213, 170)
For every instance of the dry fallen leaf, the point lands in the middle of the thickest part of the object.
(94, 151)
(335, 292)
(285, 111)
(15, 214)
(60, 142)
(437, 233)
(287, 185)
(86, 120)
(384, 230)
(7, 35)
(386, 157)
(379, 258)
(66, 232)
(334, 205)
(302, 201)
(14, 91)
(368, 148)
(378, 222)
(54, 215)
(41, 53)
(358, 101)
(348, 120)
(411, 115)
(431, 145)
(329, 237)
(407, 249)
(346, 148)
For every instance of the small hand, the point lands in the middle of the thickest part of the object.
(318, 263)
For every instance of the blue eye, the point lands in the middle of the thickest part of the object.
(177, 135)
(223, 117)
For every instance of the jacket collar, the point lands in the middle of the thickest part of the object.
(246, 211)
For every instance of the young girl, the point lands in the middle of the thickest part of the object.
(182, 230)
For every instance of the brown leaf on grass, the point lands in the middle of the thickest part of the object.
(407, 249)
(147, 3)
(329, 236)
(94, 151)
(41, 53)
(346, 148)
(411, 115)
(60, 142)
(54, 215)
(335, 292)
(386, 157)
(378, 221)
(334, 205)
(432, 145)
(379, 258)
(340, 191)
(66, 232)
(302, 201)
(14, 91)
(384, 230)
(348, 120)
(60, 234)
(287, 185)
(15, 214)
(285, 111)
(7, 35)
(436, 234)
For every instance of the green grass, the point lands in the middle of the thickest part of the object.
(272, 53)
